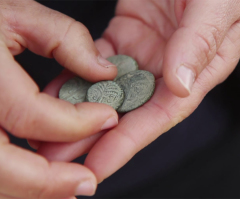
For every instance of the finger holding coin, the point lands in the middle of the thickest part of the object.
(124, 63)
(131, 89)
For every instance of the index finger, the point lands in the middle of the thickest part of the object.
(29, 114)
(54, 35)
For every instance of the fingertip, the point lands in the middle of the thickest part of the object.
(104, 71)
(98, 116)
(180, 67)
(180, 80)
(78, 53)
(110, 123)
(3, 137)
(100, 69)
(86, 188)
(105, 63)
(82, 178)
(34, 144)
(105, 47)
(186, 78)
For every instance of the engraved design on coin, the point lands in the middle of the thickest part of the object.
(124, 63)
(138, 87)
(107, 92)
(74, 90)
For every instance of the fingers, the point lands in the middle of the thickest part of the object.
(34, 144)
(26, 113)
(52, 34)
(140, 127)
(63, 151)
(131, 37)
(203, 26)
(67, 152)
(136, 130)
(105, 47)
(27, 175)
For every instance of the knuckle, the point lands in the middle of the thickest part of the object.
(74, 31)
(208, 41)
(73, 27)
(9, 27)
(83, 29)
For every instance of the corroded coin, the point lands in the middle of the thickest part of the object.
(124, 63)
(107, 92)
(138, 87)
(74, 90)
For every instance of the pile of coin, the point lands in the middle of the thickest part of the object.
(129, 90)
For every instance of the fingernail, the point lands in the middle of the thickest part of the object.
(186, 76)
(104, 62)
(110, 123)
(34, 145)
(86, 188)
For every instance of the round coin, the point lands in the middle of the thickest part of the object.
(107, 92)
(124, 63)
(138, 87)
(74, 90)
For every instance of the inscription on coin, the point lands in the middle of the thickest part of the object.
(124, 63)
(107, 92)
(74, 90)
(138, 87)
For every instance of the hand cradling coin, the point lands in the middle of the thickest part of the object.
(129, 90)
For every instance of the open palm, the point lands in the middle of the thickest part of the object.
(161, 36)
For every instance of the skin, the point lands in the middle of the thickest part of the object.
(201, 35)
(27, 113)
(161, 36)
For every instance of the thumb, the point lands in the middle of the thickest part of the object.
(203, 26)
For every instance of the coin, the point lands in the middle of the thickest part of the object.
(107, 92)
(124, 63)
(74, 90)
(138, 87)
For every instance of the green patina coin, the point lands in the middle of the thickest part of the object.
(107, 92)
(138, 87)
(124, 63)
(74, 90)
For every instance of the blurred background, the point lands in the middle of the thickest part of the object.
(199, 157)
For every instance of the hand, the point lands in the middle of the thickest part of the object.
(27, 113)
(190, 47)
